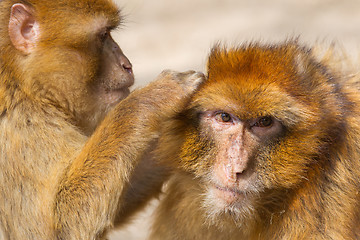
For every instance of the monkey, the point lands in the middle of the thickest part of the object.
(73, 139)
(267, 148)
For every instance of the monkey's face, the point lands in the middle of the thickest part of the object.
(115, 74)
(251, 130)
(236, 162)
(113, 77)
(105, 72)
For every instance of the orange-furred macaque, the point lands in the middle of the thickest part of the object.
(72, 149)
(268, 148)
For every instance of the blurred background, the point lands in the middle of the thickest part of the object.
(169, 34)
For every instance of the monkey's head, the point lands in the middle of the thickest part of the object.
(62, 54)
(259, 126)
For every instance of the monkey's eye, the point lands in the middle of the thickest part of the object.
(104, 35)
(264, 122)
(223, 117)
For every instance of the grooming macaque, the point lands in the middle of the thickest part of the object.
(70, 149)
(268, 148)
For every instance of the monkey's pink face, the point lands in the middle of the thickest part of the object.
(234, 178)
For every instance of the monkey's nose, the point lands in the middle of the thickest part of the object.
(126, 64)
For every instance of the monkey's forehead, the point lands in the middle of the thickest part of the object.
(61, 8)
(252, 101)
(257, 80)
(259, 69)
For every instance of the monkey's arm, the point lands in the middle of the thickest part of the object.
(146, 183)
(92, 191)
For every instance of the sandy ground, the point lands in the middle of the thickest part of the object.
(162, 34)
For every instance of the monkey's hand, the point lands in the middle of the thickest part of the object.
(188, 81)
(172, 90)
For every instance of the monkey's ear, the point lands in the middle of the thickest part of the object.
(23, 28)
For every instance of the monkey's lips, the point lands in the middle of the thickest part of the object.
(228, 195)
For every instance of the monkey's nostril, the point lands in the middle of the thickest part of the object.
(239, 174)
(128, 68)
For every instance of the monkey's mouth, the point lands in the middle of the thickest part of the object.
(229, 195)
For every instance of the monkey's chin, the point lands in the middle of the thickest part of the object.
(222, 205)
(113, 97)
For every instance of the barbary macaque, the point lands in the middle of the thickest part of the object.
(71, 144)
(268, 148)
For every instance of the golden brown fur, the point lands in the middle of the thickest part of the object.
(295, 176)
(62, 174)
